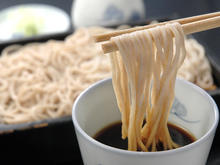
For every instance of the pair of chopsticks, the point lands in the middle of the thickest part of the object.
(190, 25)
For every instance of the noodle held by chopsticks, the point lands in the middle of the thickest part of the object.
(144, 75)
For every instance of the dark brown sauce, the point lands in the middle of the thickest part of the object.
(111, 136)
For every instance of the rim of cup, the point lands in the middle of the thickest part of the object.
(167, 152)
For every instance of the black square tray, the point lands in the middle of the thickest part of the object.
(53, 141)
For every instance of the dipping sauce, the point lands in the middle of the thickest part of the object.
(111, 136)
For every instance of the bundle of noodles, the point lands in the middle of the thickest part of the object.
(196, 67)
(144, 73)
(41, 80)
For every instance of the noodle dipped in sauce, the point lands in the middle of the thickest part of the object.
(144, 71)
(111, 136)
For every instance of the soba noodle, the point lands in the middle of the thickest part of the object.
(42, 80)
(144, 74)
(196, 67)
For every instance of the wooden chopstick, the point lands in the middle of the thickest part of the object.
(201, 25)
(107, 36)
(188, 28)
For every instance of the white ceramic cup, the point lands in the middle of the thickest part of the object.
(193, 109)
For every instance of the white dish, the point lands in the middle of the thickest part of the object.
(32, 19)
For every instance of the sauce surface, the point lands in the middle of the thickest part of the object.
(111, 136)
